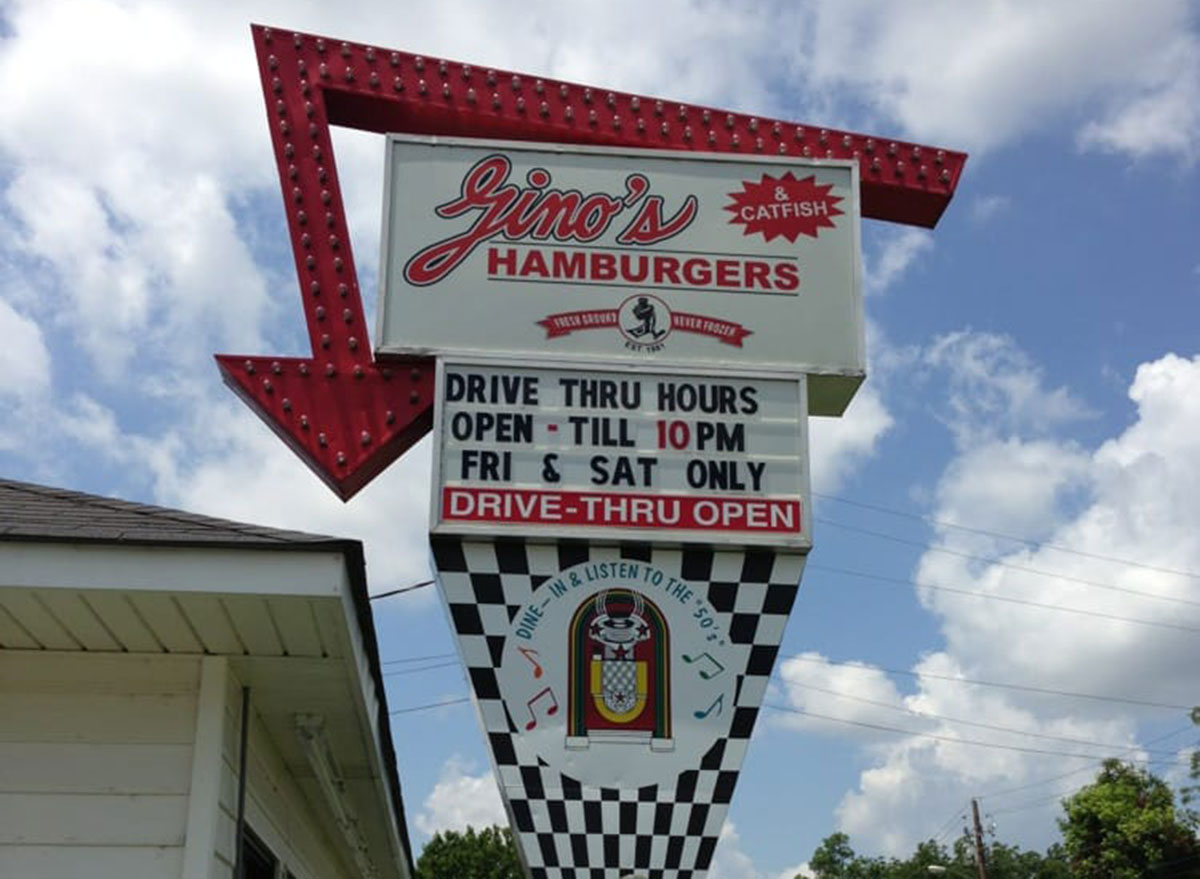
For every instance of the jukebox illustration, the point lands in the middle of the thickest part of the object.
(619, 678)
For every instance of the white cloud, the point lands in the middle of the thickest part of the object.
(460, 800)
(814, 687)
(125, 161)
(236, 468)
(980, 75)
(838, 445)
(731, 861)
(1163, 115)
(1131, 498)
(24, 358)
(900, 250)
(996, 390)
(985, 208)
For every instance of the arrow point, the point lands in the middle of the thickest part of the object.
(346, 424)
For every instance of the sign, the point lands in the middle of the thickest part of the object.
(617, 682)
(618, 687)
(646, 257)
(337, 406)
(619, 454)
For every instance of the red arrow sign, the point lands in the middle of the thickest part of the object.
(347, 415)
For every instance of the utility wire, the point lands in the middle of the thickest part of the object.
(401, 590)
(813, 566)
(1089, 768)
(948, 825)
(995, 728)
(1122, 748)
(1041, 801)
(430, 706)
(942, 523)
(923, 735)
(409, 671)
(991, 560)
(408, 659)
(1022, 687)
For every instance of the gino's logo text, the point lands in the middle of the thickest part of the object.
(540, 213)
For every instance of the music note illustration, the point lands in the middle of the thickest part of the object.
(537, 697)
(718, 704)
(706, 673)
(529, 653)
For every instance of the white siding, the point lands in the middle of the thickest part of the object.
(276, 807)
(95, 764)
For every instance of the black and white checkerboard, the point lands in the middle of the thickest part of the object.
(567, 829)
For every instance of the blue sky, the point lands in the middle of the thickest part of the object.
(1035, 370)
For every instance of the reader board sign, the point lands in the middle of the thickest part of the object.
(567, 451)
(648, 257)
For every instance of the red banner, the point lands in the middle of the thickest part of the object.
(620, 510)
(569, 321)
(724, 331)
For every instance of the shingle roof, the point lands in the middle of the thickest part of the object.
(39, 512)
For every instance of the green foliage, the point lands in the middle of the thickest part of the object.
(488, 854)
(1191, 793)
(1009, 862)
(1124, 826)
(835, 859)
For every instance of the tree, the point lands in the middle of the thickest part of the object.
(835, 859)
(832, 856)
(488, 854)
(1191, 793)
(1124, 826)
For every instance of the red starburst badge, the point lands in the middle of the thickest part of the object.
(784, 206)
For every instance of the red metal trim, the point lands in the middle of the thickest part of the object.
(345, 414)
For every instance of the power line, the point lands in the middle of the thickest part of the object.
(1088, 768)
(408, 659)
(948, 825)
(942, 523)
(401, 590)
(923, 735)
(1022, 687)
(1041, 801)
(930, 716)
(991, 560)
(430, 706)
(409, 671)
(912, 712)
(1005, 598)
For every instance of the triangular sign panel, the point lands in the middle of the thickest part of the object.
(618, 687)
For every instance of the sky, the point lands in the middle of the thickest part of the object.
(1011, 498)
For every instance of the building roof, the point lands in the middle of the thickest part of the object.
(31, 513)
(39, 512)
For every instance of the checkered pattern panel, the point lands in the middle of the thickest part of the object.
(570, 830)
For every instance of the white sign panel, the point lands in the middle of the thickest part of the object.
(648, 257)
(664, 456)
